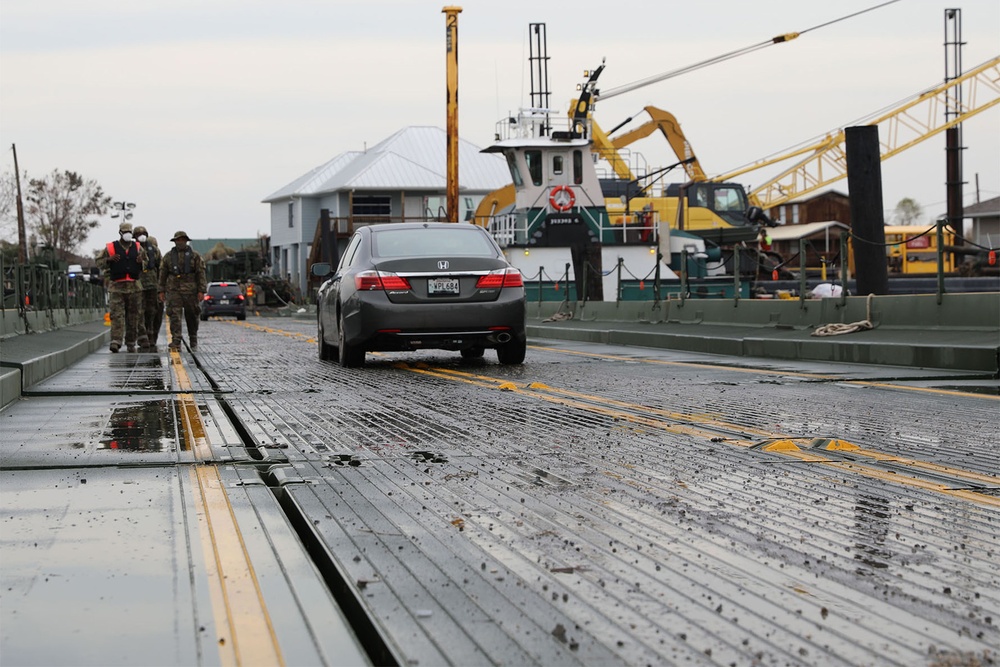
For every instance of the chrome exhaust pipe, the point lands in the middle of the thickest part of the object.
(503, 337)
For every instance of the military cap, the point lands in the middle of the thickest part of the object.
(180, 235)
(124, 227)
(140, 230)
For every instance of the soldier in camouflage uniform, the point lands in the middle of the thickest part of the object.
(122, 263)
(182, 287)
(152, 309)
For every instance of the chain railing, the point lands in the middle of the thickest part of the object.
(37, 287)
(511, 229)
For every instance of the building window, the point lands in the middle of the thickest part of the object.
(795, 214)
(372, 206)
(557, 165)
(291, 214)
(578, 167)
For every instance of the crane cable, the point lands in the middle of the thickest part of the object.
(787, 37)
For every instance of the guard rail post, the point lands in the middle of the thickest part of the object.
(844, 240)
(566, 284)
(737, 266)
(541, 272)
(656, 279)
(618, 288)
(802, 273)
(684, 275)
(940, 260)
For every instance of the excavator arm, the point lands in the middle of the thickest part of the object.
(609, 148)
(665, 122)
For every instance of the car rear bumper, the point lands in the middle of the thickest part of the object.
(223, 310)
(377, 324)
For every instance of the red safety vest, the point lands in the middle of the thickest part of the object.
(129, 268)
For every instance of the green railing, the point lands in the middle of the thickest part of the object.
(38, 287)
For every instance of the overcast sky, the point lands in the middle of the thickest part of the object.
(198, 109)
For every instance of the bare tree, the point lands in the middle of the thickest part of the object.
(8, 207)
(908, 212)
(62, 208)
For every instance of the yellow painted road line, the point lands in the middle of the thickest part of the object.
(626, 412)
(194, 429)
(680, 422)
(783, 445)
(245, 633)
(763, 371)
(840, 445)
(790, 447)
(493, 383)
(926, 390)
(895, 478)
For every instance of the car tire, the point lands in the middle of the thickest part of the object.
(512, 353)
(350, 356)
(473, 353)
(326, 351)
(241, 316)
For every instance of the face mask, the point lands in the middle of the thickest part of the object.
(127, 237)
(142, 238)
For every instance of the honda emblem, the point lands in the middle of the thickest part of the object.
(443, 265)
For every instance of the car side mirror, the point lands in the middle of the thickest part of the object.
(320, 269)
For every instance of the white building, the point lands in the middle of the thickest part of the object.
(403, 178)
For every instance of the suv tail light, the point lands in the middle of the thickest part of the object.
(373, 280)
(509, 277)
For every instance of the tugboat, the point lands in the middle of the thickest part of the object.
(605, 239)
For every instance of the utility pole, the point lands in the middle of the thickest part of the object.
(451, 102)
(22, 240)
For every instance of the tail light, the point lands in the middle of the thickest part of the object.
(509, 277)
(375, 280)
(206, 298)
(239, 297)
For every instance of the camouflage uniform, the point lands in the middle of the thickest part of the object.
(182, 285)
(122, 263)
(152, 309)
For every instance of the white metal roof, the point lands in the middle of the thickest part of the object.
(795, 232)
(414, 158)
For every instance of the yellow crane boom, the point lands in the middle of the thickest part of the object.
(912, 122)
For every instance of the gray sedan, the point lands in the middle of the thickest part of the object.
(408, 286)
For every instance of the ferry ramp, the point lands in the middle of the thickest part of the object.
(604, 504)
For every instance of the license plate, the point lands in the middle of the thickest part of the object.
(224, 302)
(439, 286)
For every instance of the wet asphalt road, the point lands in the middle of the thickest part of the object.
(602, 505)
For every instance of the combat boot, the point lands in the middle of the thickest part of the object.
(194, 342)
(115, 346)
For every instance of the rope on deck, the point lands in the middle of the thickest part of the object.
(838, 328)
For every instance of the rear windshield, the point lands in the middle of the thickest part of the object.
(224, 290)
(460, 241)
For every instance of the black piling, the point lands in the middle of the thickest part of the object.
(864, 182)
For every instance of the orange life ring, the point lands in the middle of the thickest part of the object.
(561, 198)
